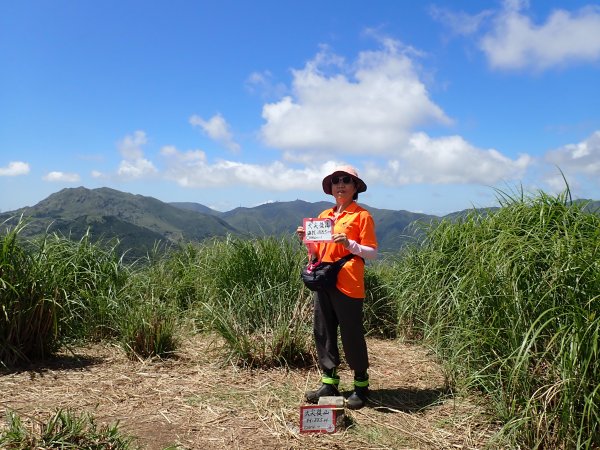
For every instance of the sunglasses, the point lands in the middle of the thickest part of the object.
(346, 179)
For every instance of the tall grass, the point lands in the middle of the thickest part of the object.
(246, 290)
(51, 290)
(54, 290)
(148, 328)
(90, 276)
(511, 301)
(380, 307)
(29, 304)
(256, 301)
(152, 305)
(64, 430)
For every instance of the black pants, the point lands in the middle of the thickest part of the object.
(334, 309)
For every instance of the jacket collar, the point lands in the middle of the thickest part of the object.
(351, 208)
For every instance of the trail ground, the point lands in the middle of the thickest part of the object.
(194, 401)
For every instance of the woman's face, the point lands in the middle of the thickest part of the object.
(343, 187)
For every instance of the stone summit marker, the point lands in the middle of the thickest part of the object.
(326, 417)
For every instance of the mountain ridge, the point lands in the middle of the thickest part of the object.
(139, 222)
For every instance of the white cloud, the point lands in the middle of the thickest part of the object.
(555, 183)
(515, 42)
(583, 157)
(64, 177)
(192, 169)
(447, 160)
(373, 110)
(14, 169)
(217, 129)
(131, 146)
(134, 164)
(263, 84)
(258, 79)
(460, 23)
(137, 168)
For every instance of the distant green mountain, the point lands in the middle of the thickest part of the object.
(278, 218)
(589, 205)
(273, 218)
(137, 221)
(396, 228)
(134, 240)
(197, 207)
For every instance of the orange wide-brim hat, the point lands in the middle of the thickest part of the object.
(344, 170)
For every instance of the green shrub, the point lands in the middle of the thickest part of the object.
(256, 301)
(147, 328)
(64, 430)
(91, 276)
(511, 301)
(171, 275)
(52, 290)
(30, 303)
(380, 309)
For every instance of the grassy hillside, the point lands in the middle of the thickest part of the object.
(509, 300)
(197, 207)
(137, 221)
(393, 231)
(273, 218)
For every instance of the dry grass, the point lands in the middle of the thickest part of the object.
(197, 403)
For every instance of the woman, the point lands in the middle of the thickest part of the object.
(342, 306)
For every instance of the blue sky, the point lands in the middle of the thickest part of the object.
(234, 103)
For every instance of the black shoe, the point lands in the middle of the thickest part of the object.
(326, 390)
(358, 398)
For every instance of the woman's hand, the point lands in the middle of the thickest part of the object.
(341, 238)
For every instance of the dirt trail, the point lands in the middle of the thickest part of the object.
(196, 403)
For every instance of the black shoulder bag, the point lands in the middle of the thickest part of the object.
(319, 275)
